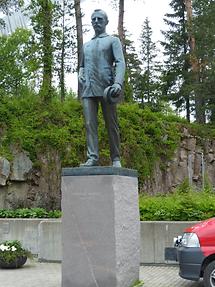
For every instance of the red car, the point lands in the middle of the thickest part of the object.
(195, 252)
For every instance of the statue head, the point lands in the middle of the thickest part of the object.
(99, 21)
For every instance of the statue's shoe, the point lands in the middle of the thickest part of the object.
(116, 163)
(89, 163)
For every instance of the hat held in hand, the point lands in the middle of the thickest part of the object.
(111, 96)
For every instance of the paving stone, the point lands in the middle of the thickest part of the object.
(35, 274)
(164, 276)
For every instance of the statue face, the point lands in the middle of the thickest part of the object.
(99, 22)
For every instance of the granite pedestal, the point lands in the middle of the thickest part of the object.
(101, 227)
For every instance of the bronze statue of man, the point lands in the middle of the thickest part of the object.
(101, 75)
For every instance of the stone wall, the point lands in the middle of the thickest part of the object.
(194, 160)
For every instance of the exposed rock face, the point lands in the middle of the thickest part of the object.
(4, 170)
(194, 160)
(50, 180)
(21, 185)
(21, 166)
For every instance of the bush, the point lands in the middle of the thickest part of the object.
(186, 206)
(29, 213)
(146, 137)
(28, 123)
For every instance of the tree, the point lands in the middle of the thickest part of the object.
(120, 28)
(204, 31)
(121, 31)
(42, 20)
(133, 70)
(45, 14)
(18, 63)
(194, 62)
(176, 77)
(63, 41)
(148, 78)
(79, 31)
(189, 48)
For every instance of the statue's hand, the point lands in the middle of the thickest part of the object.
(116, 89)
(81, 76)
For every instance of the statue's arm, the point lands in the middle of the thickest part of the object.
(81, 74)
(119, 61)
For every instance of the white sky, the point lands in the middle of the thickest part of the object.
(135, 13)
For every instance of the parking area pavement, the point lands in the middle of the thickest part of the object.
(35, 274)
(164, 276)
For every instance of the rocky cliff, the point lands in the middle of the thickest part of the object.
(24, 185)
(194, 159)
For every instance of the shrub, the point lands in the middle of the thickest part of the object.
(28, 123)
(146, 137)
(29, 213)
(178, 206)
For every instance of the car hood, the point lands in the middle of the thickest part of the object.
(200, 226)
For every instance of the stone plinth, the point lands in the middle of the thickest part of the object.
(101, 227)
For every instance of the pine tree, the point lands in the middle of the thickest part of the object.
(133, 70)
(204, 31)
(176, 75)
(63, 42)
(195, 65)
(147, 81)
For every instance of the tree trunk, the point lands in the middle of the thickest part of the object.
(199, 101)
(78, 18)
(121, 24)
(186, 65)
(46, 14)
(62, 74)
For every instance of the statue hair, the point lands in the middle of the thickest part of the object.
(102, 12)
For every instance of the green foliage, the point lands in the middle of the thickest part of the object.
(188, 77)
(29, 213)
(147, 84)
(203, 131)
(64, 42)
(137, 283)
(183, 205)
(204, 29)
(17, 62)
(133, 69)
(11, 249)
(42, 25)
(176, 75)
(29, 123)
(146, 138)
(26, 121)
